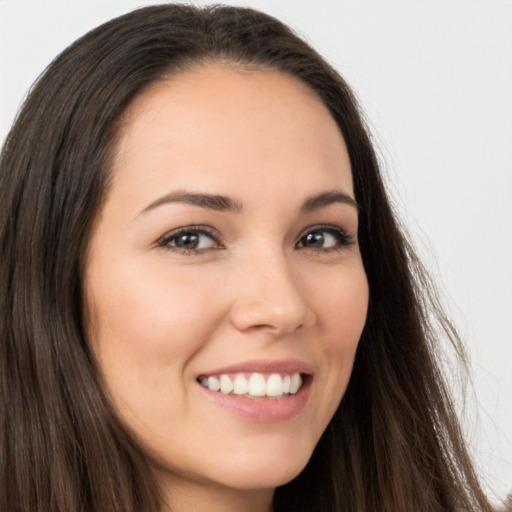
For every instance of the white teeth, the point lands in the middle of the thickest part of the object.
(295, 383)
(240, 386)
(274, 385)
(257, 385)
(286, 384)
(213, 383)
(226, 386)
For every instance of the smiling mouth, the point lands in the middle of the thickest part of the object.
(253, 385)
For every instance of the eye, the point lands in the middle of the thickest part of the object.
(189, 240)
(324, 238)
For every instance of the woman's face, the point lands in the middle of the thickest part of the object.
(226, 255)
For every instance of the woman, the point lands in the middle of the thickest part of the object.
(208, 303)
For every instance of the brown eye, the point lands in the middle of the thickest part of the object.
(324, 239)
(317, 240)
(189, 239)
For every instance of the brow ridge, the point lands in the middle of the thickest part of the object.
(208, 201)
(325, 199)
(223, 203)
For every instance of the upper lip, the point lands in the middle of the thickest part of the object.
(289, 366)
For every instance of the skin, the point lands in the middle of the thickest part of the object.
(159, 317)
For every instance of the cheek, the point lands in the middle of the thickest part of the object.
(144, 333)
(342, 312)
(145, 327)
(342, 316)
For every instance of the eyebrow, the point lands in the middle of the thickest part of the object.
(208, 201)
(327, 198)
(228, 204)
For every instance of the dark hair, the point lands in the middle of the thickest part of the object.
(393, 445)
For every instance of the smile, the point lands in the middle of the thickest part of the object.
(253, 385)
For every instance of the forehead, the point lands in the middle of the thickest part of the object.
(219, 121)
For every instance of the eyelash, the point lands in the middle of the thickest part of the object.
(343, 239)
(165, 241)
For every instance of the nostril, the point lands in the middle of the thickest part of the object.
(267, 315)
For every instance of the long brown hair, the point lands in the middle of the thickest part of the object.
(393, 445)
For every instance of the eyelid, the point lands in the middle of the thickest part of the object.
(346, 237)
(163, 241)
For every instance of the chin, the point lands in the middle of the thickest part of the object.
(267, 478)
(265, 469)
(243, 469)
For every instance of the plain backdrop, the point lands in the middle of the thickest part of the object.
(435, 81)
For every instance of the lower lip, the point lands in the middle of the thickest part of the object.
(263, 410)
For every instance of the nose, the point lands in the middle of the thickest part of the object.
(269, 297)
